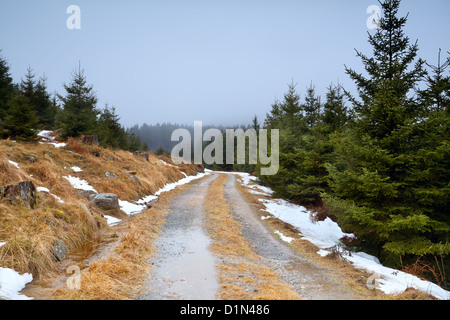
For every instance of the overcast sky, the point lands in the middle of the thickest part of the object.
(217, 61)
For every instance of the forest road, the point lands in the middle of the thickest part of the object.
(184, 267)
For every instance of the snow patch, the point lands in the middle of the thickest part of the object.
(283, 237)
(11, 282)
(2, 244)
(79, 184)
(112, 220)
(180, 182)
(15, 164)
(43, 189)
(131, 208)
(250, 182)
(76, 169)
(49, 139)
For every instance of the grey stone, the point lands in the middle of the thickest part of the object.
(106, 201)
(22, 192)
(59, 250)
(88, 194)
(111, 175)
(136, 179)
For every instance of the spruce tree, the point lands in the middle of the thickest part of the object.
(335, 114)
(79, 112)
(109, 130)
(6, 92)
(21, 121)
(379, 164)
(311, 106)
(42, 103)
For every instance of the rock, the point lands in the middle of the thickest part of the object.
(91, 140)
(136, 179)
(142, 154)
(132, 173)
(151, 203)
(59, 250)
(111, 175)
(23, 192)
(106, 201)
(88, 194)
(30, 159)
(76, 154)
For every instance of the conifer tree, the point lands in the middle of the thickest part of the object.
(311, 106)
(79, 113)
(6, 92)
(335, 114)
(378, 163)
(21, 121)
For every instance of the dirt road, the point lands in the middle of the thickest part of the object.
(185, 268)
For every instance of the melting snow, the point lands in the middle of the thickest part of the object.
(79, 184)
(43, 189)
(15, 164)
(11, 282)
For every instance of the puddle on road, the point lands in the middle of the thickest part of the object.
(185, 268)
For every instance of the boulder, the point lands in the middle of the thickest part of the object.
(24, 192)
(59, 250)
(91, 140)
(111, 175)
(106, 201)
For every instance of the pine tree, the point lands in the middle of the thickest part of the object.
(6, 92)
(437, 93)
(311, 106)
(376, 177)
(335, 114)
(109, 130)
(21, 121)
(42, 102)
(79, 113)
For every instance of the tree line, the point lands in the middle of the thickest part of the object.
(27, 107)
(379, 162)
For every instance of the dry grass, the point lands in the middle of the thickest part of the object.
(242, 276)
(30, 234)
(341, 270)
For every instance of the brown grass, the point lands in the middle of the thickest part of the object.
(242, 276)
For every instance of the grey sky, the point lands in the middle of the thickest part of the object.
(220, 62)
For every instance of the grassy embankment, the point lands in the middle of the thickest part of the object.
(30, 234)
